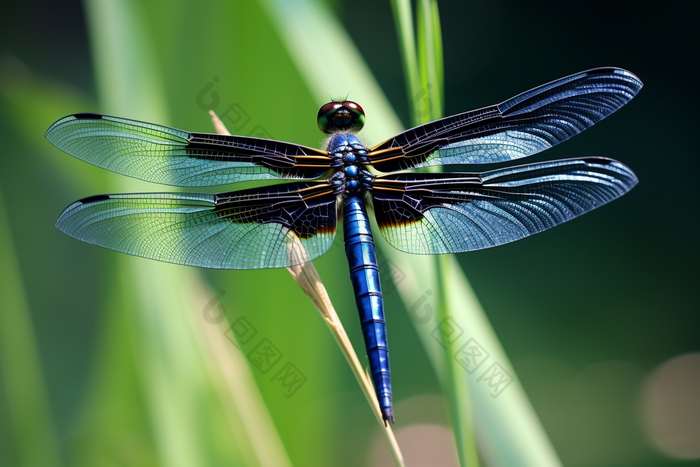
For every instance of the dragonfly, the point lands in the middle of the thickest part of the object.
(292, 223)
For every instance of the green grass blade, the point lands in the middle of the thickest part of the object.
(430, 58)
(403, 18)
(508, 430)
(499, 428)
(30, 415)
(439, 58)
(29, 106)
(455, 387)
(198, 411)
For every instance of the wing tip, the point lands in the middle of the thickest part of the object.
(626, 176)
(634, 84)
(628, 80)
(69, 118)
(610, 69)
(61, 222)
(613, 70)
(55, 125)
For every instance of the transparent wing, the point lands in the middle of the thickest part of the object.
(271, 227)
(169, 156)
(455, 212)
(521, 126)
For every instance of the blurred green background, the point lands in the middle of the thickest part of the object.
(109, 360)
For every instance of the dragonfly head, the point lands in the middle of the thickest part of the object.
(341, 116)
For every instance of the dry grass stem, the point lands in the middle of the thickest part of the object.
(310, 282)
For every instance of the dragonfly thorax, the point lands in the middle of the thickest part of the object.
(349, 157)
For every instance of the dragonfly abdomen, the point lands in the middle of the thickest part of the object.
(364, 274)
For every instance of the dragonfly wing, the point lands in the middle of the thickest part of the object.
(169, 156)
(271, 227)
(519, 127)
(455, 212)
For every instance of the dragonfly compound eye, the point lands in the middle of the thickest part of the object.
(341, 116)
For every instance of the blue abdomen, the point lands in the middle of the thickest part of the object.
(364, 273)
